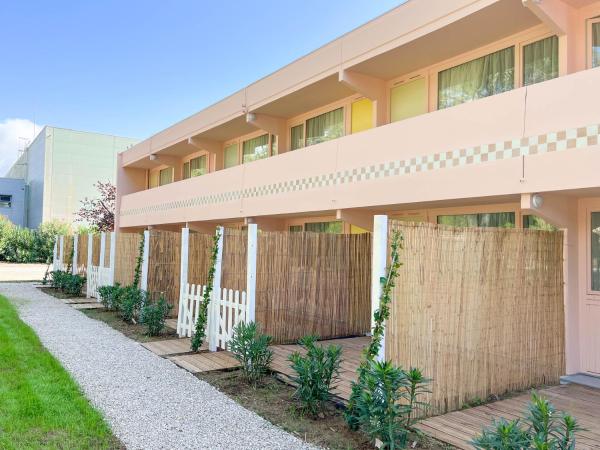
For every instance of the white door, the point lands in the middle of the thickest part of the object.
(590, 314)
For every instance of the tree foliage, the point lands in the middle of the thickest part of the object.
(100, 212)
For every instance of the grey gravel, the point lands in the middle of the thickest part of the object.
(149, 402)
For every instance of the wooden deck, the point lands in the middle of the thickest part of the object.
(459, 427)
(205, 362)
(170, 347)
(87, 305)
(351, 357)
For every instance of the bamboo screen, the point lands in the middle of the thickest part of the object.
(68, 248)
(313, 283)
(106, 250)
(164, 266)
(234, 259)
(479, 310)
(127, 251)
(96, 250)
(82, 253)
(200, 249)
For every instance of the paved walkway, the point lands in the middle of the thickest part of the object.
(149, 402)
(22, 272)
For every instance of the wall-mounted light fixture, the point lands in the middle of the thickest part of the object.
(537, 201)
(250, 117)
(153, 157)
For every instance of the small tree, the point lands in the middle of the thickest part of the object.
(100, 212)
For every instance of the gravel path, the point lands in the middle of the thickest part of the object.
(149, 402)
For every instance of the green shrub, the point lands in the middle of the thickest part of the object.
(110, 296)
(131, 301)
(154, 315)
(251, 348)
(23, 245)
(73, 284)
(544, 429)
(315, 373)
(58, 279)
(385, 408)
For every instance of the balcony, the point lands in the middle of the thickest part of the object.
(519, 141)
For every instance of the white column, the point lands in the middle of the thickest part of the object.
(102, 249)
(145, 256)
(183, 279)
(55, 254)
(75, 254)
(61, 249)
(378, 264)
(88, 269)
(112, 256)
(214, 313)
(251, 271)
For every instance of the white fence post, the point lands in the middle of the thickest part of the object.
(88, 269)
(183, 280)
(146, 255)
(61, 258)
(251, 271)
(74, 268)
(55, 254)
(112, 256)
(214, 305)
(102, 249)
(378, 265)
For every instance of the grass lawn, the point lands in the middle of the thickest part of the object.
(40, 405)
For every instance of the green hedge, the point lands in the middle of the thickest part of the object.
(24, 245)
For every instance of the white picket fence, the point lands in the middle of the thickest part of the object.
(97, 277)
(227, 308)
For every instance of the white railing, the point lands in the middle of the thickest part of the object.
(227, 308)
(92, 282)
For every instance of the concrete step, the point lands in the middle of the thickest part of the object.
(582, 379)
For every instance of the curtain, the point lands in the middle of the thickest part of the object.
(295, 228)
(324, 227)
(186, 170)
(273, 144)
(257, 148)
(482, 77)
(540, 61)
(325, 127)
(153, 180)
(165, 176)
(231, 155)
(297, 136)
(595, 251)
(198, 166)
(497, 220)
(596, 44)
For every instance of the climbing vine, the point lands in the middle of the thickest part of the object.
(138, 263)
(199, 332)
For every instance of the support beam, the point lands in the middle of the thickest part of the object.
(214, 149)
(378, 265)
(271, 124)
(554, 13)
(112, 256)
(371, 87)
(357, 217)
(145, 260)
(251, 271)
(266, 223)
(75, 254)
(88, 267)
(183, 278)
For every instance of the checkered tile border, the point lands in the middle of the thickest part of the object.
(569, 139)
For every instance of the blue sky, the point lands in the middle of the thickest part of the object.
(133, 67)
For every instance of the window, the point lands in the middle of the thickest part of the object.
(186, 170)
(499, 220)
(325, 127)
(491, 74)
(153, 179)
(295, 228)
(324, 227)
(362, 115)
(540, 61)
(297, 137)
(596, 44)
(537, 223)
(273, 145)
(230, 157)
(165, 176)
(408, 99)
(595, 251)
(257, 148)
(197, 167)
(5, 201)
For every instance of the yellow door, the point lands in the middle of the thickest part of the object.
(362, 115)
(408, 99)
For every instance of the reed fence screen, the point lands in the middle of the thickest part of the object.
(479, 310)
(164, 265)
(313, 283)
(82, 253)
(126, 254)
(200, 250)
(68, 250)
(235, 243)
(96, 250)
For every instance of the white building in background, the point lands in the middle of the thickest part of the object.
(60, 168)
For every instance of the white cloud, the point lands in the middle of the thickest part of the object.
(15, 134)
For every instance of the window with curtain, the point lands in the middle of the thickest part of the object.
(153, 179)
(186, 170)
(540, 61)
(491, 74)
(325, 127)
(198, 166)
(335, 227)
(296, 228)
(256, 148)
(595, 251)
(532, 222)
(273, 144)
(596, 44)
(230, 155)
(497, 220)
(297, 137)
(165, 176)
